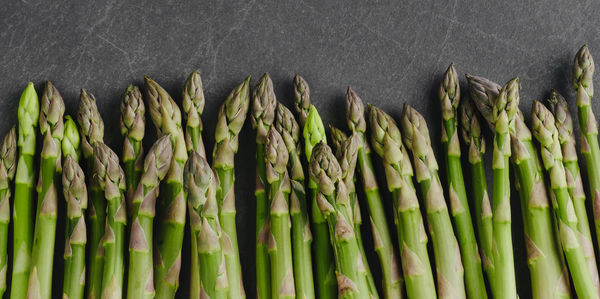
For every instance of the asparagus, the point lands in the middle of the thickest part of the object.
(8, 159)
(334, 202)
(449, 94)
(280, 241)
(23, 205)
(140, 282)
(262, 116)
(231, 118)
(392, 278)
(471, 134)
(583, 72)
(193, 104)
(166, 117)
(52, 129)
(449, 268)
(546, 133)
(564, 125)
(133, 126)
(301, 99)
(287, 126)
(75, 193)
(200, 184)
(71, 141)
(91, 128)
(338, 137)
(313, 133)
(111, 179)
(387, 143)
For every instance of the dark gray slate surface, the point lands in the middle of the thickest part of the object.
(389, 52)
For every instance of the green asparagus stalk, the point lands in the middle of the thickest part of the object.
(449, 95)
(301, 99)
(23, 205)
(583, 72)
(52, 129)
(8, 159)
(75, 193)
(111, 179)
(91, 128)
(280, 240)
(334, 202)
(140, 283)
(231, 118)
(564, 125)
(449, 268)
(287, 126)
(546, 133)
(200, 183)
(325, 277)
(393, 284)
(387, 143)
(133, 128)
(193, 105)
(262, 116)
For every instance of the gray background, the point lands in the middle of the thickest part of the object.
(390, 52)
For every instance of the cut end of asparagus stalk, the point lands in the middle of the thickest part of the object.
(276, 156)
(8, 158)
(324, 169)
(198, 177)
(484, 93)
(313, 132)
(583, 71)
(338, 137)
(263, 107)
(301, 98)
(355, 111)
(133, 112)
(449, 93)
(74, 189)
(90, 123)
(471, 131)
(70, 142)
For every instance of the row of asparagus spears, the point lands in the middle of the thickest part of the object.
(308, 211)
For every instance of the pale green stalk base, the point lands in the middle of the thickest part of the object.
(114, 266)
(325, 280)
(95, 264)
(263, 269)
(140, 264)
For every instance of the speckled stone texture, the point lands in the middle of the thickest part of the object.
(389, 52)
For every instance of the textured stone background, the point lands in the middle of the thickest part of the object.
(390, 53)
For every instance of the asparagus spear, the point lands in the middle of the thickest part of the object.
(200, 185)
(193, 104)
(449, 95)
(449, 268)
(546, 133)
(392, 278)
(583, 72)
(301, 99)
(334, 202)
(338, 137)
(262, 116)
(387, 143)
(75, 193)
(564, 125)
(287, 126)
(52, 129)
(549, 276)
(166, 117)
(280, 241)
(140, 282)
(111, 179)
(313, 133)
(133, 127)
(231, 118)
(8, 159)
(23, 205)
(91, 128)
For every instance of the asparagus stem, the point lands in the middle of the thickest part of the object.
(289, 129)
(193, 105)
(52, 129)
(75, 193)
(564, 125)
(140, 282)
(23, 205)
(334, 203)
(231, 118)
(262, 116)
(449, 95)
(91, 127)
(166, 117)
(200, 183)
(546, 133)
(387, 143)
(8, 159)
(111, 180)
(449, 268)
(133, 122)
